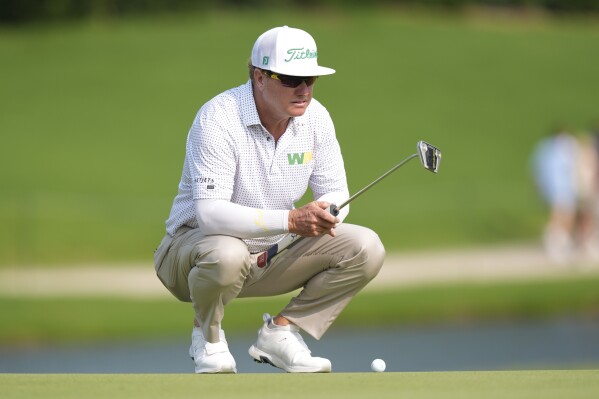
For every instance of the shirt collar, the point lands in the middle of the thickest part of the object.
(249, 112)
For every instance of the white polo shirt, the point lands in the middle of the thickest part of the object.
(231, 156)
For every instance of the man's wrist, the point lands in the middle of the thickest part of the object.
(290, 225)
(286, 221)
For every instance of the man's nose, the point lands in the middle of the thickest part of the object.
(303, 88)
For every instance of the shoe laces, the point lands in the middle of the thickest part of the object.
(297, 343)
(219, 347)
(198, 342)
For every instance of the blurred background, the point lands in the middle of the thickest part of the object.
(96, 99)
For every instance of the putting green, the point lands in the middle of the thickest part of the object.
(446, 385)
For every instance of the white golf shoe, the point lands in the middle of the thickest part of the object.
(209, 357)
(284, 347)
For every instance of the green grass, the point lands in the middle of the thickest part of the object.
(463, 385)
(27, 321)
(95, 115)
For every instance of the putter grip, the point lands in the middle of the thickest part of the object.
(333, 210)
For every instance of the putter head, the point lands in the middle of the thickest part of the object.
(430, 156)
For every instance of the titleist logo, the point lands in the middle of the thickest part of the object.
(300, 54)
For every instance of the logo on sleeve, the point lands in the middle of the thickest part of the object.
(208, 181)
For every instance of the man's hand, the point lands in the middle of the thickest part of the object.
(312, 220)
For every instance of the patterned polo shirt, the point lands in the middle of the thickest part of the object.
(231, 156)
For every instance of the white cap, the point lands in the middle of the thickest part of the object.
(288, 51)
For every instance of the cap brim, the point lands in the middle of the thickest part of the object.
(314, 71)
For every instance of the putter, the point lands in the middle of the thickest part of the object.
(430, 157)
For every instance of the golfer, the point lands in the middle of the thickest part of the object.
(251, 154)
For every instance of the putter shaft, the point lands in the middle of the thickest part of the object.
(356, 195)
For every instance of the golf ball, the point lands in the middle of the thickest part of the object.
(378, 365)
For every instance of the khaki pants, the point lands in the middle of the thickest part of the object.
(210, 271)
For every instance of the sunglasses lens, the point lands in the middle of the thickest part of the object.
(295, 81)
(291, 81)
(310, 81)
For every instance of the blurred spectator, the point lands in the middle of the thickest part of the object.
(566, 173)
(587, 189)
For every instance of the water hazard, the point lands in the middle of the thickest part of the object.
(564, 343)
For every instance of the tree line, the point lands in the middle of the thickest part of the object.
(25, 11)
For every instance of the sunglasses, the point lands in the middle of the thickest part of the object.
(291, 81)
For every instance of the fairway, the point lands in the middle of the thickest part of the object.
(479, 385)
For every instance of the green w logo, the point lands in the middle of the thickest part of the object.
(299, 158)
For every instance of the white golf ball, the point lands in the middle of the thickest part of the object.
(378, 365)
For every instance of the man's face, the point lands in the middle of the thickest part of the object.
(284, 101)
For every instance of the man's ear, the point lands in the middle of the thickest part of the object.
(259, 78)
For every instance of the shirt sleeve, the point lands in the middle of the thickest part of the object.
(328, 181)
(212, 160)
(224, 217)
